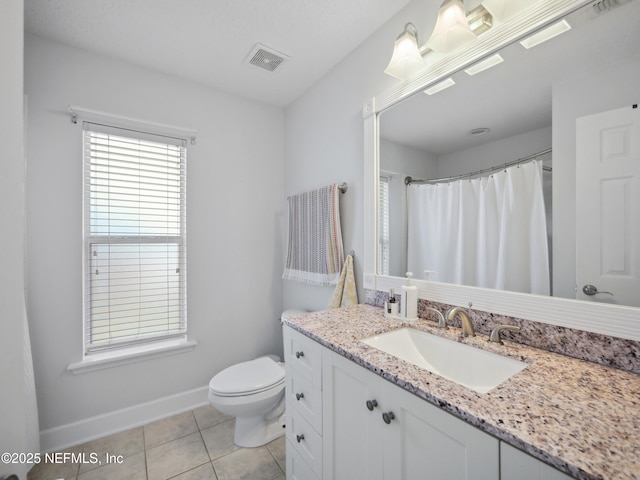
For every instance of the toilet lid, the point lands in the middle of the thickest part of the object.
(247, 377)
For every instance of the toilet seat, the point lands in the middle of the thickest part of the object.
(248, 378)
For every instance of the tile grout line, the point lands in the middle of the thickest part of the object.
(144, 448)
(205, 445)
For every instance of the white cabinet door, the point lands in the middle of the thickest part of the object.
(423, 441)
(352, 444)
(420, 441)
(517, 465)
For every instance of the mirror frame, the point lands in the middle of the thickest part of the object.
(600, 318)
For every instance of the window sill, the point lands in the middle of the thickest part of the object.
(138, 353)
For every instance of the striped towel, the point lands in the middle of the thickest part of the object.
(315, 253)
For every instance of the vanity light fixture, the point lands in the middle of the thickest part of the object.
(485, 64)
(406, 59)
(546, 34)
(505, 10)
(452, 29)
(438, 87)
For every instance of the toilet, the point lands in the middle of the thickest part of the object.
(253, 392)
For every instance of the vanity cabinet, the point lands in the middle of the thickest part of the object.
(375, 430)
(517, 465)
(345, 422)
(303, 391)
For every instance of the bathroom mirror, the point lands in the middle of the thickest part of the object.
(514, 100)
(530, 103)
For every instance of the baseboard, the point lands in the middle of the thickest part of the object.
(76, 433)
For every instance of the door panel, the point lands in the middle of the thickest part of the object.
(608, 211)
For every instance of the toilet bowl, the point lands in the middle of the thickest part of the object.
(253, 392)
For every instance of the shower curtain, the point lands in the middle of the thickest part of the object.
(485, 232)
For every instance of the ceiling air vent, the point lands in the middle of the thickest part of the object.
(266, 58)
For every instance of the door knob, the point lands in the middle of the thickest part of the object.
(299, 354)
(387, 417)
(299, 396)
(371, 404)
(299, 438)
(592, 290)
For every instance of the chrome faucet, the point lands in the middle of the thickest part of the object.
(467, 324)
(495, 333)
(442, 323)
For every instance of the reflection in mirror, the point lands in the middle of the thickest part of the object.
(526, 106)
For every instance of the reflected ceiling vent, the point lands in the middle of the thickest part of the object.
(606, 5)
(266, 58)
(476, 132)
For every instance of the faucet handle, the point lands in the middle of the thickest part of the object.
(495, 333)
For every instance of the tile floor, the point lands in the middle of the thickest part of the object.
(195, 445)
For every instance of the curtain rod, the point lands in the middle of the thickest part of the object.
(110, 119)
(409, 180)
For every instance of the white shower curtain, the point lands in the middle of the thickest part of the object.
(485, 232)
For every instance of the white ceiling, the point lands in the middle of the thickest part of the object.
(208, 40)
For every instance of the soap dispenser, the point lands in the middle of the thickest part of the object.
(409, 300)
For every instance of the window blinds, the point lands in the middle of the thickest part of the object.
(135, 224)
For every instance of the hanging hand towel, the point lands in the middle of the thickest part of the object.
(345, 293)
(315, 254)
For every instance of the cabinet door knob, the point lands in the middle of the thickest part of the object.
(387, 417)
(299, 438)
(371, 404)
(299, 354)
(299, 396)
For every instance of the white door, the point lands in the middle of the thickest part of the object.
(608, 206)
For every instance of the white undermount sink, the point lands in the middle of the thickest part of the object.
(471, 367)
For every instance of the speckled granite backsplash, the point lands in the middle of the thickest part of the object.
(592, 347)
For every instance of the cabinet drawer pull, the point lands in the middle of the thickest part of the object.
(371, 404)
(299, 438)
(299, 396)
(299, 354)
(387, 417)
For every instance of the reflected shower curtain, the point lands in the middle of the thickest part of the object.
(485, 232)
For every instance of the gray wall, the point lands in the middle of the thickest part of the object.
(234, 228)
(324, 137)
(14, 437)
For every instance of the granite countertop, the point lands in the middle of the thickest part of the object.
(577, 416)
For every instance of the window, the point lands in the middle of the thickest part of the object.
(383, 225)
(134, 229)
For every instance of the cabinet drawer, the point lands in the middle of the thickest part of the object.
(305, 398)
(305, 441)
(297, 469)
(303, 355)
